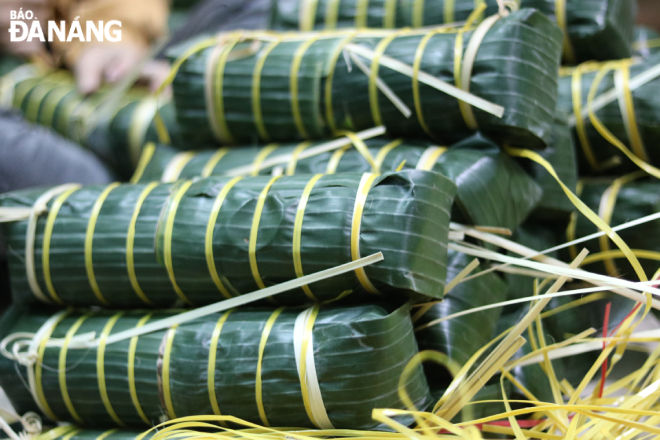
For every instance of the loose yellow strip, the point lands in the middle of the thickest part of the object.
(303, 362)
(61, 368)
(627, 105)
(297, 232)
(48, 233)
(384, 151)
(262, 347)
(38, 368)
(147, 153)
(169, 228)
(213, 352)
(417, 63)
(259, 158)
(208, 242)
(333, 163)
(167, 395)
(291, 166)
(572, 224)
(362, 148)
(130, 243)
(213, 162)
(329, 111)
(360, 200)
(89, 240)
(293, 84)
(373, 88)
(560, 14)
(131, 372)
(430, 157)
(254, 232)
(256, 90)
(100, 367)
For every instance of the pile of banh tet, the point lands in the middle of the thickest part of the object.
(413, 220)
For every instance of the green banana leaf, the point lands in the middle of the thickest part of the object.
(597, 29)
(406, 216)
(515, 68)
(493, 190)
(647, 111)
(647, 42)
(460, 338)
(72, 432)
(359, 354)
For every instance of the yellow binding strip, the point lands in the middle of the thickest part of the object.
(297, 232)
(254, 232)
(100, 367)
(572, 224)
(329, 111)
(418, 14)
(627, 105)
(560, 14)
(360, 199)
(89, 242)
(146, 156)
(331, 14)
(384, 151)
(362, 149)
(48, 233)
(293, 84)
(38, 367)
(61, 367)
(107, 434)
(417, 63)
(430, 157)
(333, 163)
(262, 348)
(208, 243)
(167, 395)
(256, 90)
(130, 244)
(448, 11)
(221, 130)
(389, 17)
(261, 157)
(213, 353)
(169, 228)
(361, 13)
(307, 15)
(131, 371)
(291, 166)
(373, 87)
(213, 162)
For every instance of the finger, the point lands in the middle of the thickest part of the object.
(123, 63)
(89, 72)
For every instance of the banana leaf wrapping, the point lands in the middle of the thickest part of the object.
(117, 136)
(244, 88)
(596, 29)
(647, 42)
(358, 353)
(71, 432)
(405, 216)
(460, 338)
(597, 155)
(492, 189)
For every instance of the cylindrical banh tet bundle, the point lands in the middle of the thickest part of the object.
(221, 236)
(116, 135)
(492, 189)
(626, 112)
(596, 29)
(72, 432)
(240, 86)
(324, 366)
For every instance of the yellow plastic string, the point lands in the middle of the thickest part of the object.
(61, 369)
(333, 163)
(89, 242)
(223, 134)
(48, 233)
(584, 209)
(100, 367)
(208, 241)
(130, 243)
(622, 77)
(458, 57)
(616, 253)
(603, 131)
(176, 166)
(169, 228)
(291, 166)
(131, 371)
(418, 13)
(334, 57)
(362, 148)
(432, 158)
(478, 12)
(560, 14)
(572, 224)
(293, 84)
(213, 352)
(256, 89)
(262, 347)
(213, 162)
(389, 16)
(417, 63)
(384, 151)
(107, 434)
(146, 156)
(254, 231)
(605, 211)
(307, 14)
(259, 158)
(361, 13)
(375, 66)
(51, 102)
(297, 232)
(38, 368)
(360, 200)
(448, 11)
(167, 395)
(303, 362)
(331, 14)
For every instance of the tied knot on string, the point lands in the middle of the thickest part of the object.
(20, 341)
(30, 421)
(507, 6)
